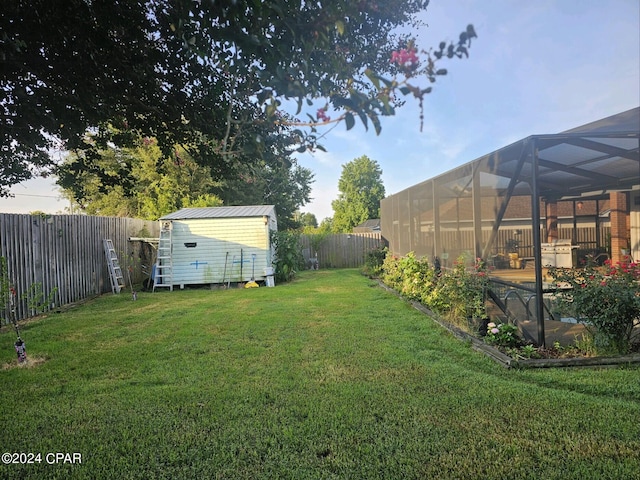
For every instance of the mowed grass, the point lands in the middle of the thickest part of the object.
(327, 377)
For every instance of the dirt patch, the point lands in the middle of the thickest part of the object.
(31, 362)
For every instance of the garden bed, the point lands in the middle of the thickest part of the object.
(551, 357)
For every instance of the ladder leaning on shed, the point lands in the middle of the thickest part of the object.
(115, 272)
(163, 271)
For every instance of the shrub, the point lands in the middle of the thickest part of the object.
(373, 261)
(417, 276)
(288, 257)
(502, 335)
(460, 292)
(391, 273)
(606, 299)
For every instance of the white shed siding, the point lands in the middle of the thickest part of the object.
(216, 240)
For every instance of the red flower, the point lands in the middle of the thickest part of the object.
(405, 58)
(322, 115)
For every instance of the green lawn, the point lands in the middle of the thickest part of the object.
(327, 377)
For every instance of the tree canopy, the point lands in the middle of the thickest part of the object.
(158, 185)
(207, 76)
(361, 190)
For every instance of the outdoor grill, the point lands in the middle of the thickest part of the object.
(559, 253)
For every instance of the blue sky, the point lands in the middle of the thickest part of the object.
(536, 67)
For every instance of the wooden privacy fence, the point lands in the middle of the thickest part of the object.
(461, 241)
(62, 256)
(340, 250)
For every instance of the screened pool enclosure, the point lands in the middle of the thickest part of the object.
(544, 200)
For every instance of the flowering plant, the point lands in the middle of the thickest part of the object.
(502, 334)
(475, 281)
(406, 59)
(461, 291)
(606, 299)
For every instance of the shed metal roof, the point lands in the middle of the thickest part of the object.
(222, 212)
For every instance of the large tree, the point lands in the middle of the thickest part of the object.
(157, 185)
(286, 187)
(361, 190)
(208, 76)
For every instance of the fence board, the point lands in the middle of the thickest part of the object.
(65, 252)
(342, 250)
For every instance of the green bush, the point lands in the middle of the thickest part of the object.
(606, 299)
(503, 335)
(391, 273)
(418, 276)
(288, 257)
(458, 293)
(373, 261)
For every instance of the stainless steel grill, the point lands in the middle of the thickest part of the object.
(560, 253)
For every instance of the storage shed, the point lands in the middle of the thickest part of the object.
(216, 245)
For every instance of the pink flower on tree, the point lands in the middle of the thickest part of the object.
(322, 115)
(405, 58)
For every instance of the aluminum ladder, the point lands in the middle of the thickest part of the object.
(163, 271)
(115, 272)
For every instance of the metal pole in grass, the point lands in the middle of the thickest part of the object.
(21, 348)
(134, 294)
(226, 257)
(233, 261)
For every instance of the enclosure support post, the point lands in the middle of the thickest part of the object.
(436, 220)
(477, 212)
(412, 226)
(505, 202)
(535, 214)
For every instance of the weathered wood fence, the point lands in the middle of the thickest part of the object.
(340, 250)
(64, 254)
(457, 242)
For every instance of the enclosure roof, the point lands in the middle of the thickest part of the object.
(222, 212)
(589, 160)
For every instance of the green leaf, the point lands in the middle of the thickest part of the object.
(363, 118)
(405, 90)
(271, 109)
(340, 27)
(373, 77)
(349, 121)
(263, 95)
(388, 83)
(376, 122)
(388, 109)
